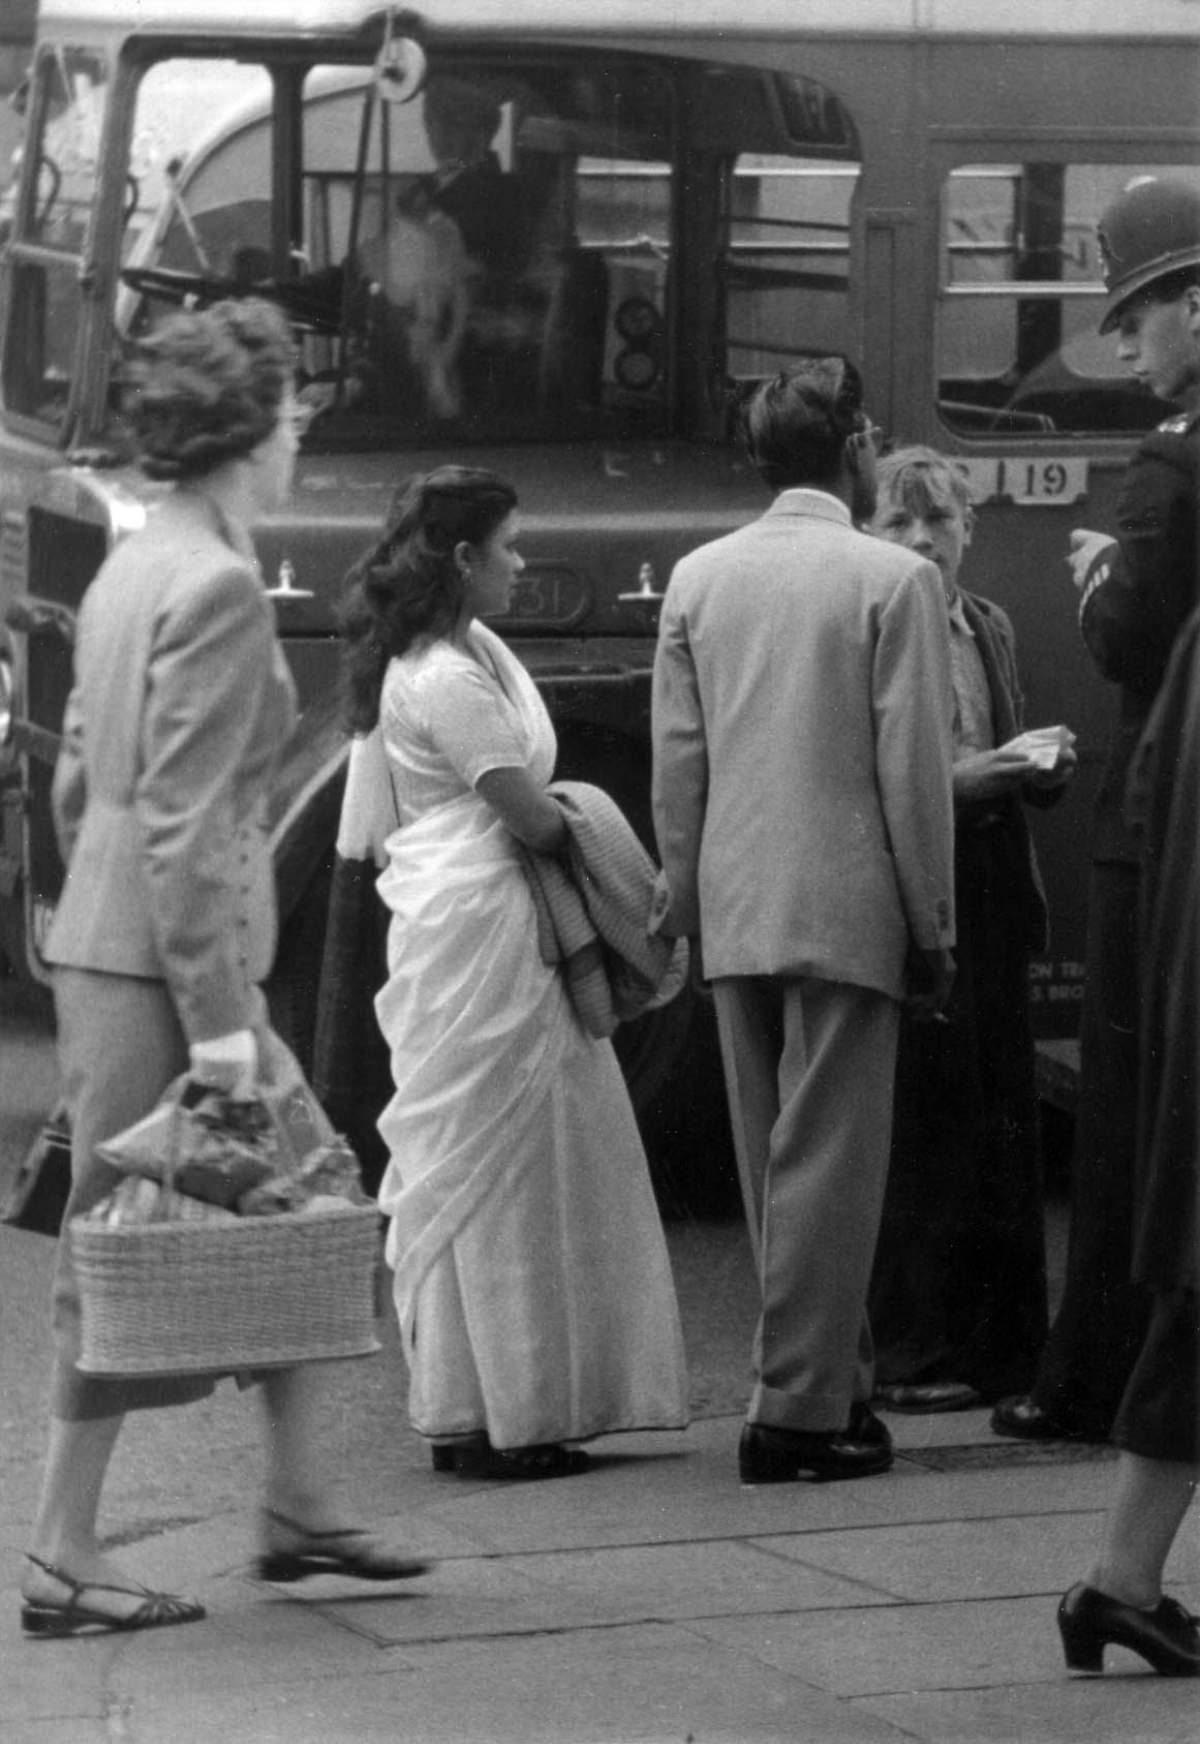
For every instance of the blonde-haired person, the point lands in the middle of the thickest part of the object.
(958, 1294)
(181, 706)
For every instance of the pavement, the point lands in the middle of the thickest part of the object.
(652, 1599)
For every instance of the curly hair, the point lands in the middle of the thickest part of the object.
(408, 584)
(206, 386)
(795, 425)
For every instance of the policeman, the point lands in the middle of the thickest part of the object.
(1136, 591)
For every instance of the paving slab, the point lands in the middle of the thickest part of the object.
(64, 1682)
(58, 1731)
(961, 1559)
(952, 1559)
(586, 1589)
(895, 1649)
(1138, 1708)
(648, 1489)
(637, 1685)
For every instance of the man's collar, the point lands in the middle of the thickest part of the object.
(810, 500)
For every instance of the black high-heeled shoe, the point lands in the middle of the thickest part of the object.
(1166, 1637)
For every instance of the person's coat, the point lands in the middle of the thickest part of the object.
(1025, 893)
(802, 714)
(181, 706)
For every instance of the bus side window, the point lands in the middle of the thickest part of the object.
(786, 270)
(1018, 353)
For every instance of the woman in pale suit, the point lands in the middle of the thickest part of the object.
(181, 706)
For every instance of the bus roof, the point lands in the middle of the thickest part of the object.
(652, 18)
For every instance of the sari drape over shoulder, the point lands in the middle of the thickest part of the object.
(532, 1281)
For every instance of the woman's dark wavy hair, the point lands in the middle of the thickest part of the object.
(206, 386)
(408, 584)
(794, 426)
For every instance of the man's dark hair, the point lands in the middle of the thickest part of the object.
(795, 426)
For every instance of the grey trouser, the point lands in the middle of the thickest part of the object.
(809, 1067)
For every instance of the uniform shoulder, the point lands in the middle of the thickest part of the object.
(1174, 443)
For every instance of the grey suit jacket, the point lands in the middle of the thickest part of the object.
(802, 715)
(181, 705)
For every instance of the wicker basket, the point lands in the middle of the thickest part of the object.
(257, 1292)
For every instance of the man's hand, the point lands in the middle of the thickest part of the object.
(930, 979)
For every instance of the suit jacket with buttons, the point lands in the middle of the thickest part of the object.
(181, 705)
(802, 718)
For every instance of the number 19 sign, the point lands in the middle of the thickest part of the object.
(1043, 482)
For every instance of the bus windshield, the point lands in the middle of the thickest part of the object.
(489, 259)
(499, 257)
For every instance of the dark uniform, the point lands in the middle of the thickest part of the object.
(1135, 600)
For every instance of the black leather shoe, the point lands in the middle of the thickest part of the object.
(1166, 1637)
(866, 1426)
(767, 1455)
(1020, 1418)
(927, 1396)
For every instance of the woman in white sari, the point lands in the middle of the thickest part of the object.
(532, 1282)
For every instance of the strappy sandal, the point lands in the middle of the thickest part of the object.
(157, 1610)
(299, 1552)
(475, 1459)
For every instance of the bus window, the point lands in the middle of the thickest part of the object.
(787, 265)
(70, 97)
(489, 245)
(201, 226)
(1019, 354)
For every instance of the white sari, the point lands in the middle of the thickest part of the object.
(532, 1282)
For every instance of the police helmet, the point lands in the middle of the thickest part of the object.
(1149, 230)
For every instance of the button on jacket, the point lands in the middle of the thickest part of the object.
(181, 706)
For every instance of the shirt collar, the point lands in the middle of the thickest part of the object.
(958, 617)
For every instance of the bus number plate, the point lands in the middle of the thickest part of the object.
(550, 597)
(1043, 482)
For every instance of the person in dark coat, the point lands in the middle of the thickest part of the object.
(1136, 592)
(958, 1293)
(1157, 1427)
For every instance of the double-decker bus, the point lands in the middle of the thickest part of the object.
(561, 239)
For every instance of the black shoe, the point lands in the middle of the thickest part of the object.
(1020, 1418)
(477, 1458)
(866, 1426)
(927, 1396)
(1167, 1637)
(767, 1455)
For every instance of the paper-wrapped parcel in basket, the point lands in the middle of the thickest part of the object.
(274, 1153)
(201, 1143)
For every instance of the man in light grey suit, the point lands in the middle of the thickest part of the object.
(802, 712)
